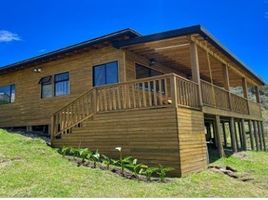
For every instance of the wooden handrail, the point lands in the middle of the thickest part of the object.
(136, 94)
(158, 91)
(238, 104)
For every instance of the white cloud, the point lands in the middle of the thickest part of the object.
(7, 36)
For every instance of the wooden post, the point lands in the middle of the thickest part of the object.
(243, 134)
(257, 94)
(224, 134)
(260, 135)
(195, 69)
(173, 90)
(240, 134)
(256, 136)
(245, 90)
(218, 133)
(236, 135)
(251, 134)
(233, 137)
(95, 101)
(227, 84)
(52, 121)
(264, 137)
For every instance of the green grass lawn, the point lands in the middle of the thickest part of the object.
(29, 168)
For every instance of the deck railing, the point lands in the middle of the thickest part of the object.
(218, 97)
(254, 108)
(141, 93)
(239, 104)
(158, 91)
(186, 92)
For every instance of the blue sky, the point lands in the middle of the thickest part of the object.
(29, 28)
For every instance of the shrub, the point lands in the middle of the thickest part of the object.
(162, 172)
(84, 154)
(95, 157)
(64, 151)
(107, 161)
(148, 172)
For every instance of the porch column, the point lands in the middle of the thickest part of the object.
(227, 83)
(218, 133)
(233, 138)
(264, 136)
(243, 135)
(251, 134)
(245, 90)
(260, 135)
(224, 134)
(256, 135)
(195, 69)
(257, 94)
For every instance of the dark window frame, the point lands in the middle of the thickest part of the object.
(64, 80)
(105, 68)
(53, 83)
(11, 87)
(150, 70)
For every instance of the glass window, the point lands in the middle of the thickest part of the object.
(61, 84)
(7, 94)
(144, 72)
(46, 87)
(105, 74)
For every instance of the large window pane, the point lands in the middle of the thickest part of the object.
(105, 74)
(46, 90)
(7, 94)
(61, 84)
(62, 88)
(99, 75)
(111, 73)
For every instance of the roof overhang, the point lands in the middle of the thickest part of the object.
(128, 33)
(192, 30)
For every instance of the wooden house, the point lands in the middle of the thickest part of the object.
(164, 98)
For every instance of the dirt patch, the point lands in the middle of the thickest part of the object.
(231, 172)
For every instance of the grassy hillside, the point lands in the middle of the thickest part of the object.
(29, 168)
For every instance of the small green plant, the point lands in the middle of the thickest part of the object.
(162, 172)
(135, 167)
(95, 157)
(148, 172)
(74, 151)
(64, 151)
(84, 154)
(107, 161)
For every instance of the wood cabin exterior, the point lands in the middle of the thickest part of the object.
(161, 97)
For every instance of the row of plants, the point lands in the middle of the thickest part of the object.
(124, 163)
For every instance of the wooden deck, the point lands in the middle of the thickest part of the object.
(169, 90)
(163, 111)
